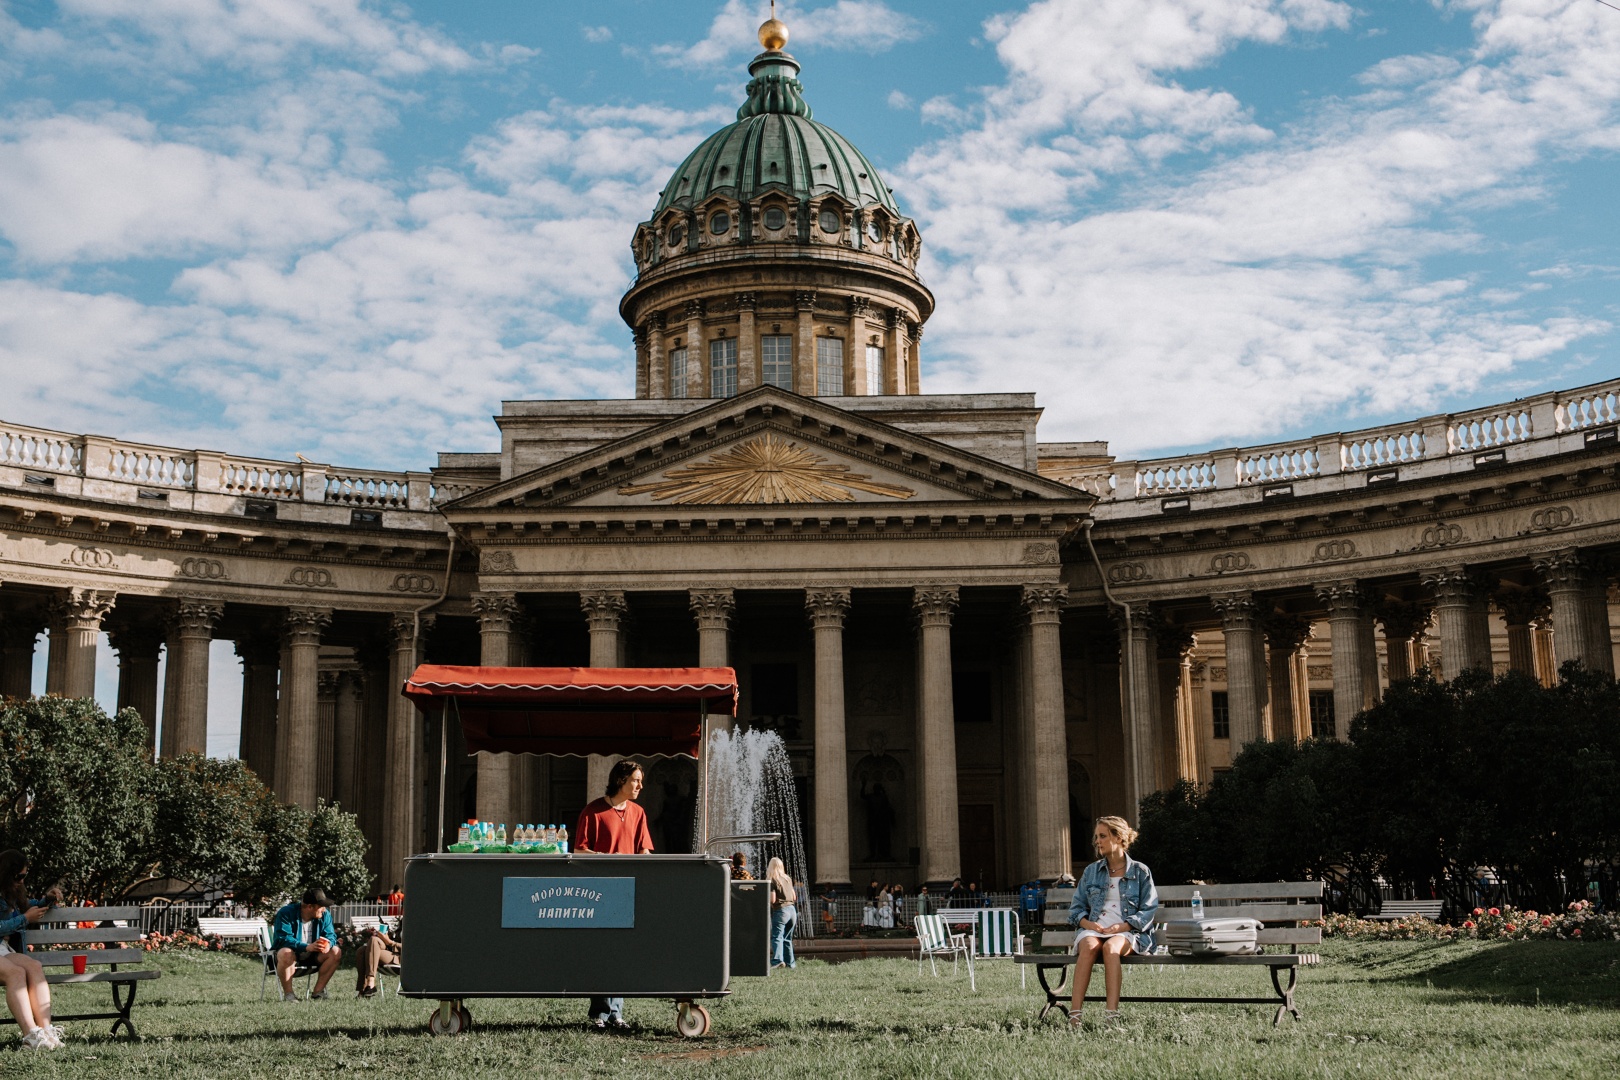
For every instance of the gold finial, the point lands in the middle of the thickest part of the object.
(773, 33)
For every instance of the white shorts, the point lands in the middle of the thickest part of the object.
(1082, 935)
(4, 948)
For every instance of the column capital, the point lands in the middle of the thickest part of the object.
(1521, 607)
(258, 647)
(406, 628)
(20, 629)
(326, 685)
(712, 608)
(805, 300)
(935, 604)
(496, 611)
(1238, 610)
(133, 638)
(1450, 584)
(655, 322)
(303, 626)
(1564, 568)
(895, 319)
(1403, 618)
(83, 609)
(1043, 603)
(1145, 620)
(860, 306)
(826, 607)
(1286, 633)
(1174, 642)
(603, 608)
(1344, 599)
(694, 309)
(196, 615)
(747, 301)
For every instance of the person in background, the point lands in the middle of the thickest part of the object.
(378, 947)
(925, 903)
(614, 825)
(784, 914)
(885, 909)
(396, 901)
(1113, 909)
(739, 867)
(28, 995)
(958, 894)
(872, 890)
(302, 934)
(829, 911)
(898, 892)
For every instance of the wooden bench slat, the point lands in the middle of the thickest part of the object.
(1281, 935)
(1263, 912)
(133, 975)
(57, 937)
(97, 956)
(1266, 960)
(93, 914)
(1267, 890)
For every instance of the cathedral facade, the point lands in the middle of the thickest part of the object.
(971, 641)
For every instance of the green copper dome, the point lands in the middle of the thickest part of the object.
(775, 145)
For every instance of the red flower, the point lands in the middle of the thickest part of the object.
(1496, 911)
(1468, 924)
(1511, 927)
(1546, 920)
(1576, 932)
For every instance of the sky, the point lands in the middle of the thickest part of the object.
(350, 228)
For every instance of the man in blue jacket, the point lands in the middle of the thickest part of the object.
(302, 935)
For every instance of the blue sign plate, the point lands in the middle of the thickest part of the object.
(529, 902)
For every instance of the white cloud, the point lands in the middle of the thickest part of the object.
(899, 99)
(597, 34)
(869, 26)
(266, 33)
(1280, 282)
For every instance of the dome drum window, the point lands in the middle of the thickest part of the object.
(831, 220)
(677, 237)
(719, 223)
(775, 218)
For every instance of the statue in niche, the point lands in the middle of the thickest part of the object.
(876, 775)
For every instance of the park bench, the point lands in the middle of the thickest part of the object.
(1283, 902)
(61, 927)
(1401, 909)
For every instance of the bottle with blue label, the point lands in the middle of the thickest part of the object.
(1197, 906)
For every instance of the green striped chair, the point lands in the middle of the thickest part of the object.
(999, 938)
(934, 938)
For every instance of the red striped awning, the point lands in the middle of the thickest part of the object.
(643, 711)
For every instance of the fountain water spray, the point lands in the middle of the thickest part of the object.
(751, 790)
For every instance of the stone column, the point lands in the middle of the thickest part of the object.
(326, 764)
(1047, 730)
(1372, 690)
(1597, 610)
(261, 660)
(186, 729)
(713, 608)
(497, 773)
(1139, 703)
(914, 364)
(1454, 591)
(855, 378)
(940, 829)
(138, 645)
(1568, 577)
(1284, 636)
(1519, 610)
(1171, 647)
(747, 343)
(1403, 622)
(804, 346)
(404, 725)
(697, 355)
(18, 633)
(297, 743)
(55, 647)
(1344, 602)
(1198, 720)
(657, 357)
(1245, 674)
(604, 612)
(346, 741)
(78, 615)
(895, 378)
(826, 609)
(643, 361)
(1541, 637)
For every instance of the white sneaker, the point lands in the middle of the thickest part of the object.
(39, 1039)
(57, 1033)
(288, 995)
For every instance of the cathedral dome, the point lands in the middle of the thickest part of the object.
(775, 145)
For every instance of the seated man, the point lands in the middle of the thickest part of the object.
(303, 935)
(378, 948)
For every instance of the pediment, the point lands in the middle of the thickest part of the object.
(770, 447)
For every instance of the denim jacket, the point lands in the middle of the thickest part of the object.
(1138, 899)
(14, 921)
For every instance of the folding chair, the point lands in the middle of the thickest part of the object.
(378, 922)
(999, 938)
(268, 957)
(934, 938)
(257, 931)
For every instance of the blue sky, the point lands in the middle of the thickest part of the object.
(349, 229)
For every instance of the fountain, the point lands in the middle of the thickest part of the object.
(751, 790)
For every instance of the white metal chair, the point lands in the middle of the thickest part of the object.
(258, 931)
(1000, 937)
(935, 939)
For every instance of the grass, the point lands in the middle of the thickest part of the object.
(1407, 1010)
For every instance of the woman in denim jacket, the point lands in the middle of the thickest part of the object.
(28, 995)
(1113, 909)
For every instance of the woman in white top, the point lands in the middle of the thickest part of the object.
(1113, 910)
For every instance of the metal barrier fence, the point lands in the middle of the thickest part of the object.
(174, 918)
(849, 912)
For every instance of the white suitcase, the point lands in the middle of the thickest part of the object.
(1211, 937)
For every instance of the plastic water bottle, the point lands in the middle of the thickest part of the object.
(462, 834)
(550, 835)
(1198, 906)
(562, 839)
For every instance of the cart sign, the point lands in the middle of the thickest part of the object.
(568, 901)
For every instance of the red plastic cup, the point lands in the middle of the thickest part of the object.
(80, 963)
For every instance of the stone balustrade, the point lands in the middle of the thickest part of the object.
(116, 470)
(1548, 424)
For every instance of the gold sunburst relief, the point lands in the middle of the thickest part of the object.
(765, 469)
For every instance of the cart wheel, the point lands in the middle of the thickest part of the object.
(691, 1020)
(457, 1023)
(466, 1019)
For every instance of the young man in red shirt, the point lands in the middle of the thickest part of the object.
(614, 825)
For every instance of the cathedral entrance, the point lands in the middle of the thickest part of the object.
(980, 860)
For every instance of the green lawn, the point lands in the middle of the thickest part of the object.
(1410, 1010)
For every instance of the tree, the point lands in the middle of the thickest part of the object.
(208, 819)
(76, 793)
(335, 856)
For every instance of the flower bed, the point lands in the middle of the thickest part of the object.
(1577, 923)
